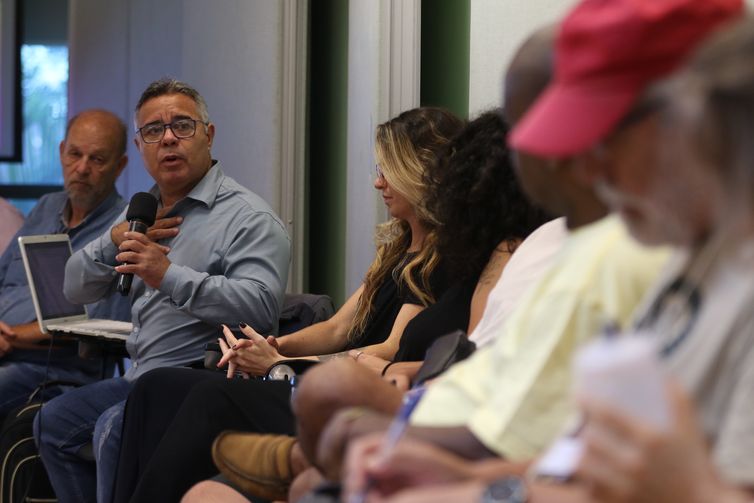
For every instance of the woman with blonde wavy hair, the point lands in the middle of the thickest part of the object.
(173, 415)
(406, 147)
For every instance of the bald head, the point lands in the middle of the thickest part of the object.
(529, 72)
(108, 121)
(92, 156)
(559, 191)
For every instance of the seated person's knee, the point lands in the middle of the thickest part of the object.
(329, 383)
(210, 491)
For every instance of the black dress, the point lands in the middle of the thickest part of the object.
(451, 312)
(173, 415)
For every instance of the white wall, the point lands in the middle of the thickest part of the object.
(383, 80)
(233, 54)
(363, 210)
(497, 29)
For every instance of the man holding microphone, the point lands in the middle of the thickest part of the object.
(226, 261)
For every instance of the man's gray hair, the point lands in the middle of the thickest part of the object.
(711, 102)
(722, 72)
(168, 85)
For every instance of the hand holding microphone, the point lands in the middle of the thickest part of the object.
(141, 214)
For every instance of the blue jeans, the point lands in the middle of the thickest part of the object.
(70, 422)
(106, 442)
(19, 378)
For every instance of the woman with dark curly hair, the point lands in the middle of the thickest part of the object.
(477, 200)
(483, 216)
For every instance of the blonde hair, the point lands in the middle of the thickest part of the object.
(406, 148)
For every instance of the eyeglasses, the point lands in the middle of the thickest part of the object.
(181, 128)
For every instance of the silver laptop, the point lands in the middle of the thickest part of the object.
(44, 260)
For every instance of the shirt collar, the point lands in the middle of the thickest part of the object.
(205, 191)
(109, 203)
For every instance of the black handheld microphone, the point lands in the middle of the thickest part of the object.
(142, 211)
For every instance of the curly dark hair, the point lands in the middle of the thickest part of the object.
(476, 198)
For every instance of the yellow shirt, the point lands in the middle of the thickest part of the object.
(514, 394)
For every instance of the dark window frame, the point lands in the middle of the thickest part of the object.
(18, 97)
(22, 191)
(27, 191)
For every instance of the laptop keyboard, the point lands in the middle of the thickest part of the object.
(121, 327)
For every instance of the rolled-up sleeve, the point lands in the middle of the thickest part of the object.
(90, 272)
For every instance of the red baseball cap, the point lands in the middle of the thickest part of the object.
(606, 53)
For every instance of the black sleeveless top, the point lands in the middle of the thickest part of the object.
(390, 297)
(451, 312)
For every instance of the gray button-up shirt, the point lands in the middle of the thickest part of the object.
(229, 263)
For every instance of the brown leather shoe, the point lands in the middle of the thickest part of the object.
(259, 464)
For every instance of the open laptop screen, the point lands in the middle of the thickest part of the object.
(47, 266)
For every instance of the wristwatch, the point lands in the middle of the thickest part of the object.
(506, 490)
